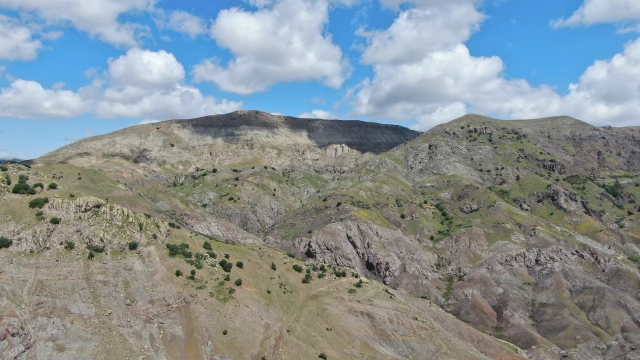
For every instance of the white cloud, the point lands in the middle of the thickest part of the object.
(139, 84)
(150, 84)
(318, 114)
(16, 40)
(602, 11)
(284, 42)
(445, 81)
(184, 22)
(28, 99)
(146, 69)
(148, 121)
(100, 18)
(434, 28)
(71, 138)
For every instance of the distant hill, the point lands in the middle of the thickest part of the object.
(478, 239)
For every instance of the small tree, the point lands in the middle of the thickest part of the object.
(403, 216)
(178, 273)
(297, 268)
(5, 243)
(207, 246)
(238, 282)
(239, 264)
(53, 186)
(133, 245)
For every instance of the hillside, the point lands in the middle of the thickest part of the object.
(527, 231)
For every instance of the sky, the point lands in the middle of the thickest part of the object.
(70, 69)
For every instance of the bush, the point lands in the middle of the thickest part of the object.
(225, 265)
(5, 243)
(224, 332)
(273, 266)
(207, 245)
(238, 282)
(307, 278)
(133, 245)
(21, 188)
(297, 268)
(7, 179)
(70, 245)
(3, 168)
(55, 221)
(91, 255)
(22, 179)
(212, 254)
(322, 356)
(339, 204)
(38, 202)
(403, 216)
(178, 273)
(53, 186)
(40, 185)
(239, 264)
(227, 277)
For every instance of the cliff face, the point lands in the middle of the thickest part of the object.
(240, 136)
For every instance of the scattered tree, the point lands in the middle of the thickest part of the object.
(297, 268)
(239, 264)
(5, 243)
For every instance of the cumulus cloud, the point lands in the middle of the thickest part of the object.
(444, 81)
(139, 84)
(318, 114)
(99, 18)
(283, 41)
(28, 99)
(601, 11)
(16, 40)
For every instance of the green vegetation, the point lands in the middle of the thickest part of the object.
(53, 186)
(226, 265)
(70, 245)
(322, 356)
(133, 245)
(182, 249)
(238, 282)
(297, 268)
(38, 203)
(55, 221)
(239, 264)
(273, 266)
(178, 273)
(5, 243)
(207, 246)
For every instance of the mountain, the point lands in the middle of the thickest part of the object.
(480, 238)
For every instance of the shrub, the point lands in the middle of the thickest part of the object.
(226, 266)
(38, 202)
(70, 245)
(322, 356)
(133, 245)
(55, 221)
(297, 268)
(307, 278)
(154, 236)
(238, 282)
(226, 256)
(3, 168)
(239, 264)
(237, 178)
(21, 188)
(224, 332)
(325, 200)
(207, 245)
(339, 204)
(212, 254)
(635, 259)
(7, 179)
(178, 273)
(231, 198)
(273, 266)
(91, 255)
(22, 179)
(5, 243)
(214, 170)
(403, 216)
(40, 185)
(53, 186)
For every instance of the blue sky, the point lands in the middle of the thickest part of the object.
(68, 72)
